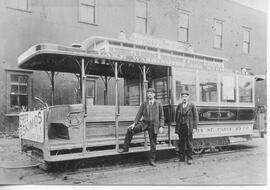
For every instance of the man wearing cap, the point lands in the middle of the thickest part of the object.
(153, 121)
(186, 124)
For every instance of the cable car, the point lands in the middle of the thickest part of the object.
(94, 127)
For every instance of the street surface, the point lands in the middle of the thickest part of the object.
(244, 164)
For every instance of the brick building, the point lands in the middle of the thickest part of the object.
(220, 28)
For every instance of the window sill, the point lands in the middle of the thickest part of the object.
(19, 70)
(201, 103)
(246, 54)
(89, 23)
(12, 115)
(225, 102)
(18, 9)
(187, 43)
(220, 49)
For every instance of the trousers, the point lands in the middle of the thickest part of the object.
(185, 141)
(152, 137)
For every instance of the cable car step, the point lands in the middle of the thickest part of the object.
(101, 153)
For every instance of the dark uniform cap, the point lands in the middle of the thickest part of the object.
(185, 92)
(151, 90)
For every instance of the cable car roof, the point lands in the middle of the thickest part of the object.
(57, 58)
(100, 51)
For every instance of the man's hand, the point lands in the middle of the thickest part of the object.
(160, 130)
(132, 126)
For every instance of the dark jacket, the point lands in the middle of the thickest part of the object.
(157, 115)
(191, 117)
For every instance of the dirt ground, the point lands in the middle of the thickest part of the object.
(245, 167)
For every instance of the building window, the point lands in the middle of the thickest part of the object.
(246, 41)
(208, 87)
(227, 91)
(183, 27)
(141, 17)
(218, 30)
(19, 93)
(245, 90)
(87, 11)
(19, 4)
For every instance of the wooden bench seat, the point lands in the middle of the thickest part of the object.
(100, 121)
(100, 129)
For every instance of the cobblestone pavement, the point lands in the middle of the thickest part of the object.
(244, 167)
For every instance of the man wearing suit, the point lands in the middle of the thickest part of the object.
(153, 121)
(186, 124)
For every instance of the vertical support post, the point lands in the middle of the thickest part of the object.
(140, 88)
(144, 83)
(106, 91)
(144, 98)
(83, 86)
(237, 90)
(117, 111)
(52, 83)
(80, 95)
(198, 87)
(51, 76)
(46, 113)
(83, 78)
(169, 81)
(46, 148)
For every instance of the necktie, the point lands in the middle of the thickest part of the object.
(151, 110)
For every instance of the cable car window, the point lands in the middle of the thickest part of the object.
(208, 87)
(90, 91)
(245, 90)
(161, 90)
(185, 80)
(132, 95)
(227, 88)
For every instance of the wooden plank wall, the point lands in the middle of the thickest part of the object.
(100, 124)
(100, 121)
(107, 113)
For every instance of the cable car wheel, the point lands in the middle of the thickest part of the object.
(223, 148)
(198, 150)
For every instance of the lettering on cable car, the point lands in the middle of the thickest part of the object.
(140, 56)
(223, 131)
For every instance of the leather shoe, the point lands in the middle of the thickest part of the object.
(189, 162)
(122, 150)
(177, 160)
(181, 158)
(152, 163)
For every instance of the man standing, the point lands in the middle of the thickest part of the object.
(153, 122)
(186, 124)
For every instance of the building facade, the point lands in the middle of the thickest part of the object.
(219, 28)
